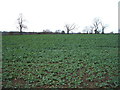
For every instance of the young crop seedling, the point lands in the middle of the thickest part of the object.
(60, 61)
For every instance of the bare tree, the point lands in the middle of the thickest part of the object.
(70, 27)
(103, 27)
(20, 22)
(96, 24)
(86, 29)
(91, 29)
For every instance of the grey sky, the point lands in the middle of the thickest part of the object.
(54, 14)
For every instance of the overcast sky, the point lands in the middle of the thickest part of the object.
(54, 14)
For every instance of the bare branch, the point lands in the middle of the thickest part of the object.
(70, 27)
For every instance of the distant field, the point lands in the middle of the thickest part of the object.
(60, 61)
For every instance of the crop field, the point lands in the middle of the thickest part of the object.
(60, 61)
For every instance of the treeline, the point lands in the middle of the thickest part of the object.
(30, 33)
(50, 32)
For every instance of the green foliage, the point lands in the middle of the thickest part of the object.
(60, 61)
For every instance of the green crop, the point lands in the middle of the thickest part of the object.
(60, 61)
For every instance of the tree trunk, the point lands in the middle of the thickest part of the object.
(67, 31)
(102, 31)
(95, 31)
(20, 29)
